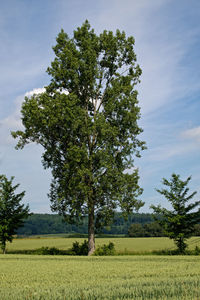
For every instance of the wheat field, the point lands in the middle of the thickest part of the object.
(118, 277)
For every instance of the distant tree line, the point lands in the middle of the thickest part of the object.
(137, 225)
(53, 224)
(145, 230)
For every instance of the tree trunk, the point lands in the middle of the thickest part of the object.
(3, 247)
(181, 245)
(91, 235)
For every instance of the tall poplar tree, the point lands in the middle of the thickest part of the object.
(86, 121)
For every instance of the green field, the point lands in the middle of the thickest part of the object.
(128, 245)
(117, 277)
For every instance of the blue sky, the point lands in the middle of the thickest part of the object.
(167, 34)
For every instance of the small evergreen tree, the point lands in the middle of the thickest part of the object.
(12, 213)
(178, 223)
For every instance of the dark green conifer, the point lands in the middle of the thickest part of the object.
(179, 222)
(12, 212)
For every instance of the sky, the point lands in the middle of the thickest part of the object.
(167, 44)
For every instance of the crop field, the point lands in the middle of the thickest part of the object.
(115, 277)
(127, 245)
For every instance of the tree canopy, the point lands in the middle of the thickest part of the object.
(12, 212)
(87, 122)
(178, 223)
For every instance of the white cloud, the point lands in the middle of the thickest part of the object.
(13, 121)
(24, 165)
(193, 134)
(173, 144)
(35, 91)
(166, 152)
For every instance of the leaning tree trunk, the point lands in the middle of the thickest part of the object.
(91, 235)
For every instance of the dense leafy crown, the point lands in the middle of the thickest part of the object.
(86, 120)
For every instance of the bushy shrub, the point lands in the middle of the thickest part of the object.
(49, 251)
(77, 249)
(105, 250)
(197, 251)
(80, 249)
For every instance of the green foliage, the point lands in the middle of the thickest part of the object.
(197, 250)
(76, 249)
(12, 212)
(136, 230)
(43, 251)
(80, 249)
(178, 223)
(86, 121)
(48, 251)
(145, 230)
(105, 250)
(197, 229)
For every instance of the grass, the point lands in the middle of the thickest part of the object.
(121, 277)
(122, 245)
